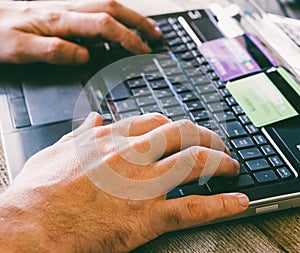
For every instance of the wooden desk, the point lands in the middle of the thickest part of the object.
(277, 232)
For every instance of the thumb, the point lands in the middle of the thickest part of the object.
(53, 50)
(193, 210)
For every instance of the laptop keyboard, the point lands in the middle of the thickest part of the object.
(182, 85)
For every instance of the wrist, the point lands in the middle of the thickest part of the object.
(20, 227)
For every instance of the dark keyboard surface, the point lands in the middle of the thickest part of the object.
(181, 84)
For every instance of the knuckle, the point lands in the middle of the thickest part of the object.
(54, 49)
(196, 208)
(54, 17)
(197, 154)
(105, 19)
(158, 118)
(187, 125)
(112, 5)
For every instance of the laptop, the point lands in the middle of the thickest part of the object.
(248, 98)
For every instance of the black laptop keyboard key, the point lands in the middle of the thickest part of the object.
(250, 153)
(169, 102)
(207, 88)
(245, 119)
(180, 88)
(231, 101)
(125, 115)
(134, 83)
(276, 161)
(185, 190)
(211, 98)
(150, 109)
(200, 115)
(237, 110)
(221, 184)
(180, 48)
(266, 176)
(174, 111)
(188, 96)
(268, 150)
(195, 105)
(252, 129)
(140, 92)
(225, 116)
(126, 105)
(260, 140)
(284, 173)
(233, 129)
(119, 92)
(175, 42)
(218, 107)
(159, 84)
(256, 165)
(144, 101)
(245, 142)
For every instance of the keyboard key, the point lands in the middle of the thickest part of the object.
(185, 190)
(245, 119)
(163, 93)
(200, 80)
(210, 124)
(220, 184)
(200, 115)
(268, 150)
(195, 105)
(143, 101)
(159, 84)
(276, 161)
(260, 164)
(233, 129)
(265, 176)
(284, 173)
(225, 116)
(211, 98)
(218, 107)
(207, 88)
(185, 56)
(179, 48)
(231, 101)
(237, 110)
(119, 92)
(224, 92)
(150, 108)
(187, 96)
(180, 88)
(126, 105)
(250, 153)
(134, 83)
(178, 79)
(142, 91)
(169, 101)
(252, 129)
(129, 114)
(243, 143)
(260, 140)
(175, 42)
(174, 111)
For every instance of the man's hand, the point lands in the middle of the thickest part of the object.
(35, 31)
(55, 205)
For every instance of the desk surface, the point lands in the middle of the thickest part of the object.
(277, 232)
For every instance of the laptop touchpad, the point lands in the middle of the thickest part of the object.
(53, 101)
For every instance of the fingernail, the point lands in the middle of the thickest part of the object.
(81, 56)
(146, 49)
(243, 199)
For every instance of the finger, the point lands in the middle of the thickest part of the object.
(196, 162)
(93, 25)
(140, 125)
(173, 137)
(180, 213)
(93, 120)
(125, 15)
(49, 49)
